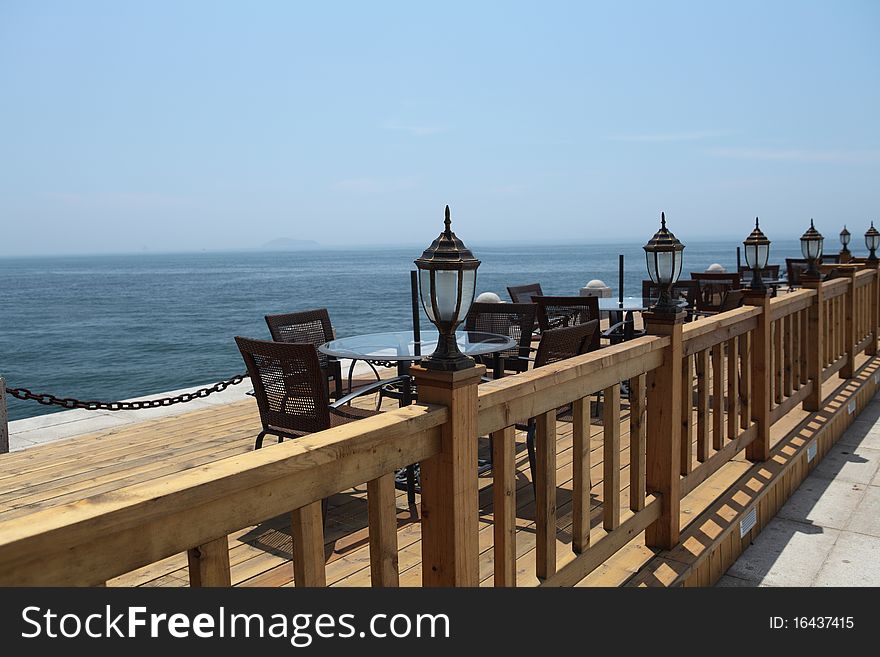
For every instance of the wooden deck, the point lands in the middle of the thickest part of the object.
(55, 474)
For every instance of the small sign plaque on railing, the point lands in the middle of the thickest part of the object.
(811, 451)
(748, 522)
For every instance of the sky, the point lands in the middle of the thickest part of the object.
(173, 126)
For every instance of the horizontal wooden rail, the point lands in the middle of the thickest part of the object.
(511, 400)
(709, 332)
(790, 303)
(90, 541)
(606, 544)
(835, 288)
(864, 277)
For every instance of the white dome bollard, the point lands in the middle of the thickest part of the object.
(715, 268)
(488, 297)
(597, 288)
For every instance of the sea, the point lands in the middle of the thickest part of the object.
(112, 327)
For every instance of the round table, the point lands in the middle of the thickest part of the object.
(401, 348)
(631, 304)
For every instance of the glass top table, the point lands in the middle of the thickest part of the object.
(401, 346)
(630, 304)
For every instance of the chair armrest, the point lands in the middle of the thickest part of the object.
(370, 387)
(607, 333)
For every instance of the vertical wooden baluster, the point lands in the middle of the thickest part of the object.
(796, 350)
(504, 502)
(687, 416)
(611, 456)
(849, 336)
(307, 526)
(545, 494)
(581, 483)
(209, 563)
(779, 361)
(637, 434)
(701, 360)
(382, 519)
(805, 334)
(718, 396)
(787, 358)
(815, 345)
(745, 369)
(732, 388)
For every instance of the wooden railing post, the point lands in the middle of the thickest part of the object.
(4, 419)
(761, 372)
(450, 504)
(874, 309)
(849, 323)
(815, 346)
(663, 439)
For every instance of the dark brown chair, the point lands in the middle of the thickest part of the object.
(516, 320)
(559, 312)
(559, 344)
(770, 272)
(309, 327)
(794, 268)
(732, 300)
(291, 393)
(713, 286)
(524, 293)
(687, 290)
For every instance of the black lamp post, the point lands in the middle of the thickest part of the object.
(663, 255)
(811, 247)
(845, 237)
(872, 241)
(447, 282)
(757, 248)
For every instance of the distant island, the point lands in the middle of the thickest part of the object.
(289, 244)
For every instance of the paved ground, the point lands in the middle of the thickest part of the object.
(828, 533)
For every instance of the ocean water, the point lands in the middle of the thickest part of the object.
(114, 327)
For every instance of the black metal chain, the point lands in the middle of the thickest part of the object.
(67, 402)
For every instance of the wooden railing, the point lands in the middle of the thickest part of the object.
(697, 396)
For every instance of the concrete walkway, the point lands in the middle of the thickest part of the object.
(828, 533)
(69, 424)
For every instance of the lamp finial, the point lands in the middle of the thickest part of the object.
(448, 222)
(663, 220)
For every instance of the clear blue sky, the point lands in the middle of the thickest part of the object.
(187, 125)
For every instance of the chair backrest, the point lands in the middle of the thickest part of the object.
(770, 272)
(304, 327)
(524, 293)
(794, 267)
(830, 259)
(288, 384)
(687, 290)
(556, 312)
(516, 320)
(713, 286)
(732, 300)
(566, 342)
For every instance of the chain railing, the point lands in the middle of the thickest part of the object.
(48, 399)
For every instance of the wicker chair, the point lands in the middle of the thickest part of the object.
(516, 320)
(524, 293)
(291, 392)
(558, 344)
(794, 268)
(770, 272)
(687, 290)
(311, 327)
(713, 287)
(559, 312)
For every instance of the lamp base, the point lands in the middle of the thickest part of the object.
(447, 364)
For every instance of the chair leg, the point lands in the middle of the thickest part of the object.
(259, 442)
(530, 446)
(411, 484)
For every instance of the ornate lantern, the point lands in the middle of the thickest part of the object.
(447, 282)
(845, 237)
(872, 241)
(811, 247)
(663, 255)
(757, 248)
